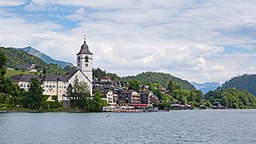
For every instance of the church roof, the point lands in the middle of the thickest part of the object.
(84, 48)
(70, 74)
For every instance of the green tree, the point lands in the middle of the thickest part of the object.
(34, 98)
(69, 68)
(134, 85)
(170, 86)
(70, 90)
(94, 104)
(3, 60)
(98, 73)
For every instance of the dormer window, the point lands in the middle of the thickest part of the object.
(86, 59)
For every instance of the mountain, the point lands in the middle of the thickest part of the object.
(45, 57)
(205, 87)
(247, 82)
(161, 78)
(17, 57)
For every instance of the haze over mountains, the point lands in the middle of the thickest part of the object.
(206, 87)
(47, 59)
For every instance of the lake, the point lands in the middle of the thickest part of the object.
(182, 127)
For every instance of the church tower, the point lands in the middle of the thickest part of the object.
(84, 61)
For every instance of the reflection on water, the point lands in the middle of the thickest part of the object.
(206, 126)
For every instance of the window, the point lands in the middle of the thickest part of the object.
(78, 59)
(86, 59)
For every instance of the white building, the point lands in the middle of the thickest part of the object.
(55, 86)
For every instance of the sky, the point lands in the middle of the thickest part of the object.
(196, 40)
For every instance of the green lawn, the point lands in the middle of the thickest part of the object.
(10, 73)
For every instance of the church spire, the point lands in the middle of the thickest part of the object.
(84, 48)
(84, 38)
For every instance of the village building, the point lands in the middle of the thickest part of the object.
(28, 67)
(55, 86)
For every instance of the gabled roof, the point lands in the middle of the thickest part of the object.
(27, 66)
(72, 73)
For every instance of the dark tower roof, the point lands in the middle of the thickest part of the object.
(84, 48)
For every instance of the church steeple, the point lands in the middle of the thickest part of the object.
(84, 48)
(84, 64)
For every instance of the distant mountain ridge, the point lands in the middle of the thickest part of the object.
(206, 87)
(47, 59)
(246, 81)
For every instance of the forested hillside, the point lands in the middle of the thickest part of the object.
(16, 57)
(247, 82)
(161, 78)
(233, 98)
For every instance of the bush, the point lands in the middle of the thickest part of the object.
(54, 105)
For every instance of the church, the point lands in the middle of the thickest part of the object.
(55, 86)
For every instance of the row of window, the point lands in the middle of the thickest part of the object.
(53, 86)
(53, 91)
(47, 86)
(24, 85)
(85, 59)
(55, 82)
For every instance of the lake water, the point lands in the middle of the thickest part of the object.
(182, 127)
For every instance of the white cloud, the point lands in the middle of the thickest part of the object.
(184, 38)
(6, 3)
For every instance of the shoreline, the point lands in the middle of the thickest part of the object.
(41, 111)
(82, 111)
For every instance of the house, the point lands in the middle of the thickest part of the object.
(147, 97)
(217, 105)
(55, 86)
(128, 97)
(111, 97)
(28, 67)
(23, 80)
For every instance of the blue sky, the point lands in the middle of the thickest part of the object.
(196, 40)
